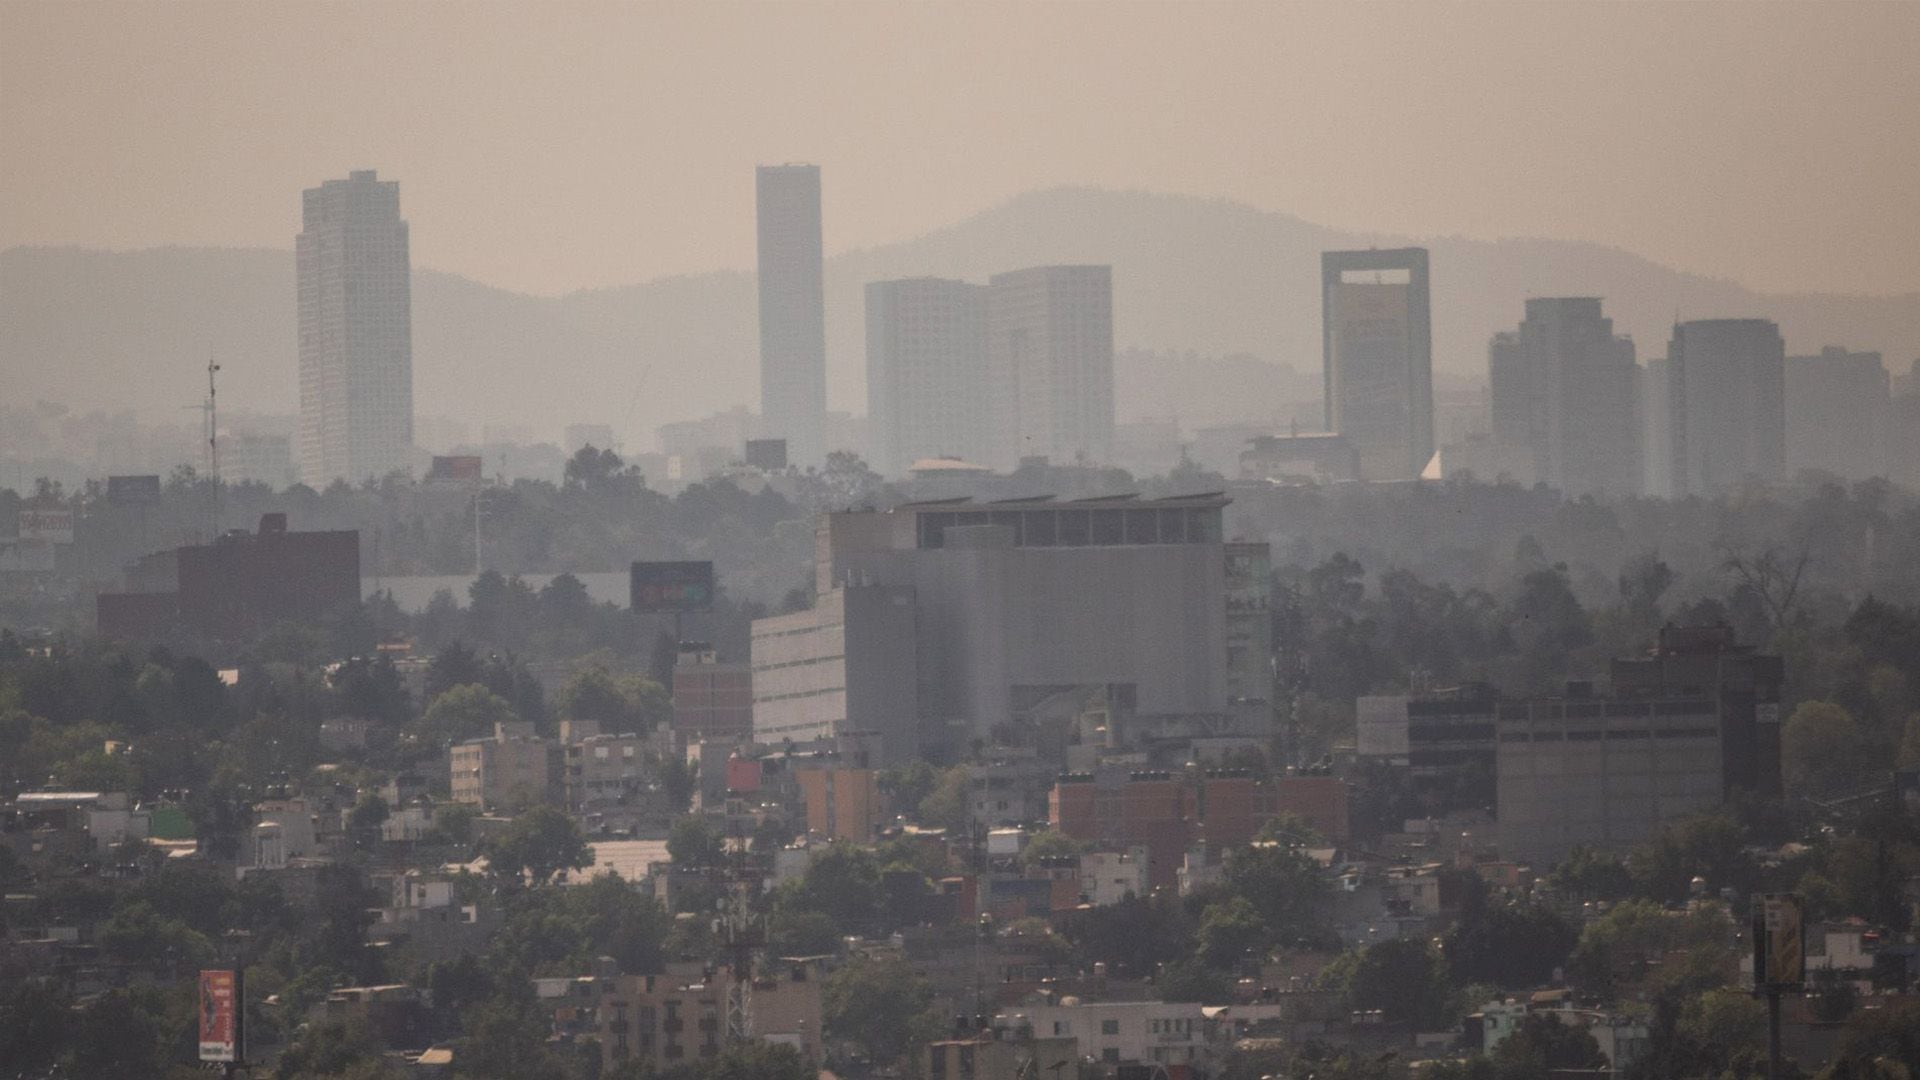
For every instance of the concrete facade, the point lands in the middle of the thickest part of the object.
(848, 664)
(1050, 347)
(1031, 610)
(356, 331)
(1726, 402)
(793, 320)
(1565, 387)
(1377, 348)
(929, 391)
(1839, 406)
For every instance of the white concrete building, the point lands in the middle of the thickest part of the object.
(356, 331)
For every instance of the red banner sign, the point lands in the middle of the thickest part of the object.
(219, 1024)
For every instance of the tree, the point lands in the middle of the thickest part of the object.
(694, 844)
(468, 711)
(1507, 945)
(1644, 579)
(1288, 891)
(1639, 939)
(454, 665)
(1822, 749)
(1230, 931)
(1405, 979)
(1542, 1044)
(365, 819)
(880, 1004)
(945, 806)
(618, 705)
(535, 848)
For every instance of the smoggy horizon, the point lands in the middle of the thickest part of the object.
(616, 144)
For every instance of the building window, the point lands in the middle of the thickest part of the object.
(1109, 1027)
(1110, 1054)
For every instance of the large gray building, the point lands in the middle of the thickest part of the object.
(1028, 616)
(793, 320)
(929, 391)
(356, 331)
(845, 666)
(1726, 403)
(1377, 345)
(1563, 387)
(1839, 405)
(1050, 347)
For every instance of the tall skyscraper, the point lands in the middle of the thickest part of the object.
(1726, 400)
(1839, 405)
(929, 391)
(356, 331)
(1050, 347)
(1656, 430)
(1377, 341)
(1563, 387)
(793, 320)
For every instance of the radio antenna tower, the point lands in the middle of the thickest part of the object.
(213, 441)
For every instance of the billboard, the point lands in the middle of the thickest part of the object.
(672, 587)
(46, 526)
(133, 490)
(1779, 941)
(219, 1016)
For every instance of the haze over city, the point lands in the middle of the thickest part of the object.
(1046, 541)
(552, 148)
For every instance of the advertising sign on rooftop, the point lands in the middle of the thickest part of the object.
(672, 587)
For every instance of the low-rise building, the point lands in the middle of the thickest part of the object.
(681, 1016)
(508, 768)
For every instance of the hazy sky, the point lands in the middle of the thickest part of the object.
(549, 147)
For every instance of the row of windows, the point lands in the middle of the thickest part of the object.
(803, 662)
(800, 694)
(810, 628)
(1066, 527)
(1621, 735)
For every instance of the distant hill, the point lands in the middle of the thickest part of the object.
(104, 330)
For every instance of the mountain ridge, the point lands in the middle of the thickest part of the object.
(1198, 276)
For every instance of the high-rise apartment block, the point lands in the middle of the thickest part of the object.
(1377, 341)
(929, 391)
(1839, 407)
(793, 321)
(356, 331)
(1050, 347)
(1563, 388)
(1726, 402)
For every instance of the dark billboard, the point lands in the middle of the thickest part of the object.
(672, 587)
(133, 490)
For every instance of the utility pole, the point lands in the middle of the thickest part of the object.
(213, 442)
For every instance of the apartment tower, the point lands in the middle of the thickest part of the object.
(1050, 349)
(793, 321)
(356, 331)
(1564, 391)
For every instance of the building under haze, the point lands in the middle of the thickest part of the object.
(1050, 347)
(1725, 403)
(929, 391)
(1377, 342)
(1563, 388)
(1838, 408)
(356, 331)
(793, 321)
(939, 623)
